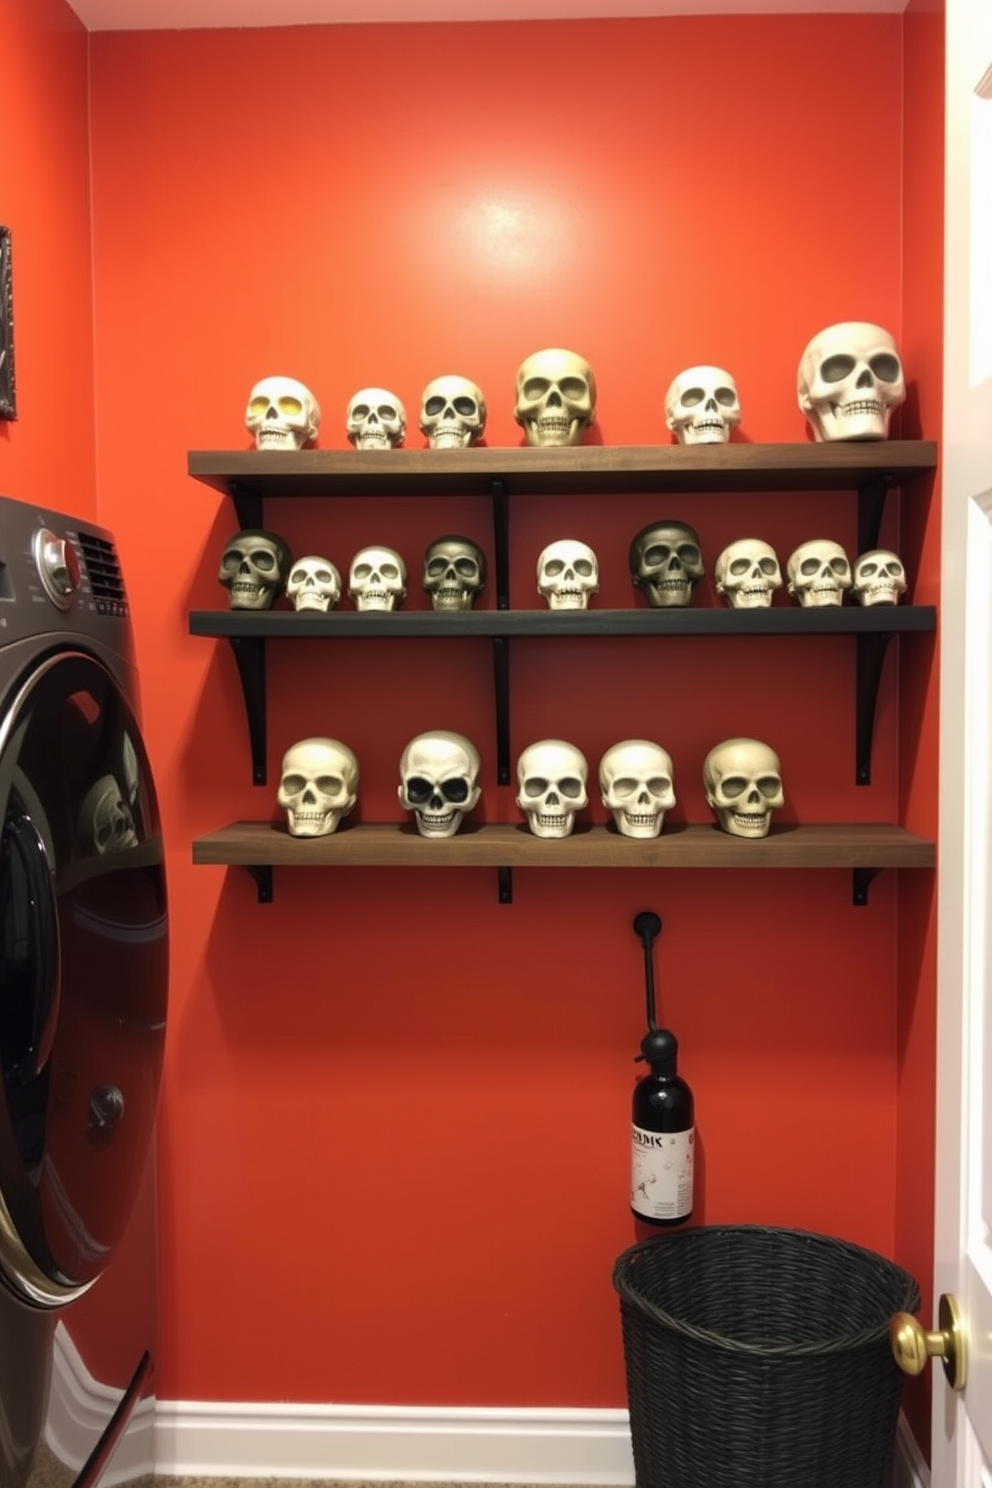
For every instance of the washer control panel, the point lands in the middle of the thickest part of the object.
(58, 566)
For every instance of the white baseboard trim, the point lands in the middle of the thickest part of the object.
(910, 1468)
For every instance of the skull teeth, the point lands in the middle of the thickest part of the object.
(567, 599)
(750, 821)
(860, 408)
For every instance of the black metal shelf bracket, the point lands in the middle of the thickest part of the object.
(501, 541)
(871, 646)
(505, 885)
(247, 505)
(871, 507)
(501, 682)
(262, 874)
(862, 878)
(249, 653)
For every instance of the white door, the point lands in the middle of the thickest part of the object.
(962, 1436)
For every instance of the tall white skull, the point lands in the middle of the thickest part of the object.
(879, 577)
(377, 579)
(702, 406)
(747, 574)
(376, 419)
(439, 774)
(567, 574)
(850, 380)
(552, 776)
(452, 413)
(454, 572)
(253, 568)
(282, 414)
(555, 397)
(318, 786)
(636, 783)
(666, 562)
(819, 573)
(742, 779)
(313, 584)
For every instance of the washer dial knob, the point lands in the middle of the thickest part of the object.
(58, 567)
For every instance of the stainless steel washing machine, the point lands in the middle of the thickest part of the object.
(83, 992)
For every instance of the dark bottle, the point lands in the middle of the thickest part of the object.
(662, 1136)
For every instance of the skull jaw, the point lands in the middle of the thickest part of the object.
(704, 431)
(372, 439)
(311, 823)
(309, 599)
(667, 593)
(271, 436)
(550, 824)
(553, 430)
(377, 600)
(878, 594)
(862, 418)
(743, 823)
(451, 599)
(642, 825)
(245, 595)
(749, 599)
(818, 598)
(567, 599)
(450, 438)
(438, 823)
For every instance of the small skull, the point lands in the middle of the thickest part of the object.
(439, 781)
(376, 420)
(106, 822)
(743, 783)
(849, 382)
(282, 414)
(318, 786)
(454, 572)
(819, 573)
(452, 413)
(666, 561)
(377, 579)
(552, 776)
(254, 568)
(702, 406)
(879, 578)
(556, 397)
(635, 778)
(747, 574)
(567, 574)
(313, 584)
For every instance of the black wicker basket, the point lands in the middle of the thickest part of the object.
(760, 1358)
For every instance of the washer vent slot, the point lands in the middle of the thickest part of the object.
(104, 573)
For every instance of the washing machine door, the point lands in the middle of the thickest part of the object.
(83, 974)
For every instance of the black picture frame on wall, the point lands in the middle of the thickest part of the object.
(8, 396)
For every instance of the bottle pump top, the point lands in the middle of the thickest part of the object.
(660, 1049)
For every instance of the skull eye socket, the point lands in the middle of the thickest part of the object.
(361, 411)
(419, 790)
(330, 785)
(869, 570)
(626, 786)
(554, 568)
(386, 412)
(769, 785)
(466, 567)
(263, 560)
(689, 554)
(571, 787)
(231, 559)
(534, 786)
(291, 407)
(293, 784)
(573, 388)
(767, 566)
(465, 406)
(325, 576)
(433, 406)
(455, 791)
(259, 407)
(362, 570)
(436, 567)
(809, 566)
(656, 554)
(535, 387)
(739, 566)
(583, 567)
(839, 566)
(725, 396)
(733, 785)
(836, 368)
(885, 366)
(692, 396)
(389, 571)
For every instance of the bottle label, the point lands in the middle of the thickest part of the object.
(661, 1166)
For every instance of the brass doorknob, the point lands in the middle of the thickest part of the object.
(912, 1345)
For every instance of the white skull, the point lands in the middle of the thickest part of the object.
(376, 419)
(454, 572)
(551, 776)
(318, 786)
(105, 819)
(313, 584)
(556, 397)
(253, 568)
(850, 380)
(282, 414)
(635, 778)
(439, 781)
(819, 573)
(702, 406)
(377, 579)
(452, 413)
(747, 573)
(567, 574)
(743, 783)
(879, 578)
(666, 561)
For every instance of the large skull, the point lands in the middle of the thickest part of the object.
(567, 574)
(666, 561)
(376, 419)
(253, 568)
(551, 776)
(318, 786)
(743, 783)
(454, 572)
(556, 397)
(439, 781)
(702, 406)
(879, 578)
(747, 573)
(282, 414)
(452, 413)
(313, 584)
(819, 573)
(850, 380)
(377, 579)
(635, 778)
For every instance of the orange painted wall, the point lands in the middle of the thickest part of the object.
(395, 1122)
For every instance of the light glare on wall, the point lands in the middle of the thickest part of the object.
(980, 249)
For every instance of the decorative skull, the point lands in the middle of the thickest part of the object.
(318, 786)
(452, 413)
(454, 572)
(282, 414)
(819, 573)
(635, 778)
(567, 574)
(850, 379)
(551, 776)
(106, 822)
(377, 579)
(253, 568)
(556, 397)
(743, 783)
(666, 561)
(747, 573)
(702, 406)
(439, 781)
(376, 420)
(313, 584)
(879, 578)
